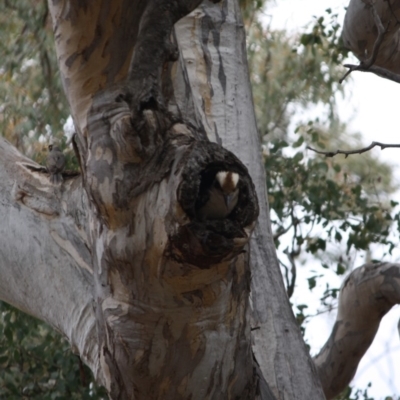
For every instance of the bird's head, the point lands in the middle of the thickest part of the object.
(228, 182)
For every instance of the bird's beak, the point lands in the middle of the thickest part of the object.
(228, 200)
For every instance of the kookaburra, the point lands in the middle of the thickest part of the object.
(221, 197)
(55, 164)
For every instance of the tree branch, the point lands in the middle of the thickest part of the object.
(398, 327)
(359, 34)
(367, 294)
(365, 65)
(45, 264)
(133, 308)
(153, 49)
(382, 72)
(357, 151)
(281, 231)
(291, 256)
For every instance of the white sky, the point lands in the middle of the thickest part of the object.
(371, 105)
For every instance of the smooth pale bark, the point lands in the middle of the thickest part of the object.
(171, 309)
(45, 262)
(215, 59)
(367, 294)
(171, 294)
(171, 322)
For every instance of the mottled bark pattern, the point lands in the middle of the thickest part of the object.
(153, 299)
(171, 292)
(159, 270)
(367, 294)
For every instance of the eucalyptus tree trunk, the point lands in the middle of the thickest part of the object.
(159, 303)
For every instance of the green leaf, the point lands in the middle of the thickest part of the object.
(340, 269)
(312, 282)
(299, 142)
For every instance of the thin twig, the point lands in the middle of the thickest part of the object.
(357, 151)
(348, 72)
(286, 272)
(398, 327)
(382, 72)
(282, 231)
(291, 255)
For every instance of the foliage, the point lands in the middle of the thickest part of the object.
(251, 10)
(315, 202)
(351, 394)
(358, 394)
(328, 208)
(324, 211)
(317, 192)
(288, 72)
(37, 363)
(34, 107)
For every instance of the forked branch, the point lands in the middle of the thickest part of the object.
(367, 294)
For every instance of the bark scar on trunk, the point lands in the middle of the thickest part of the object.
(153, 49)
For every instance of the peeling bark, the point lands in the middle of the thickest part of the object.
(172, 292)
(154, 299)
(134, 144)
(167, 293)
